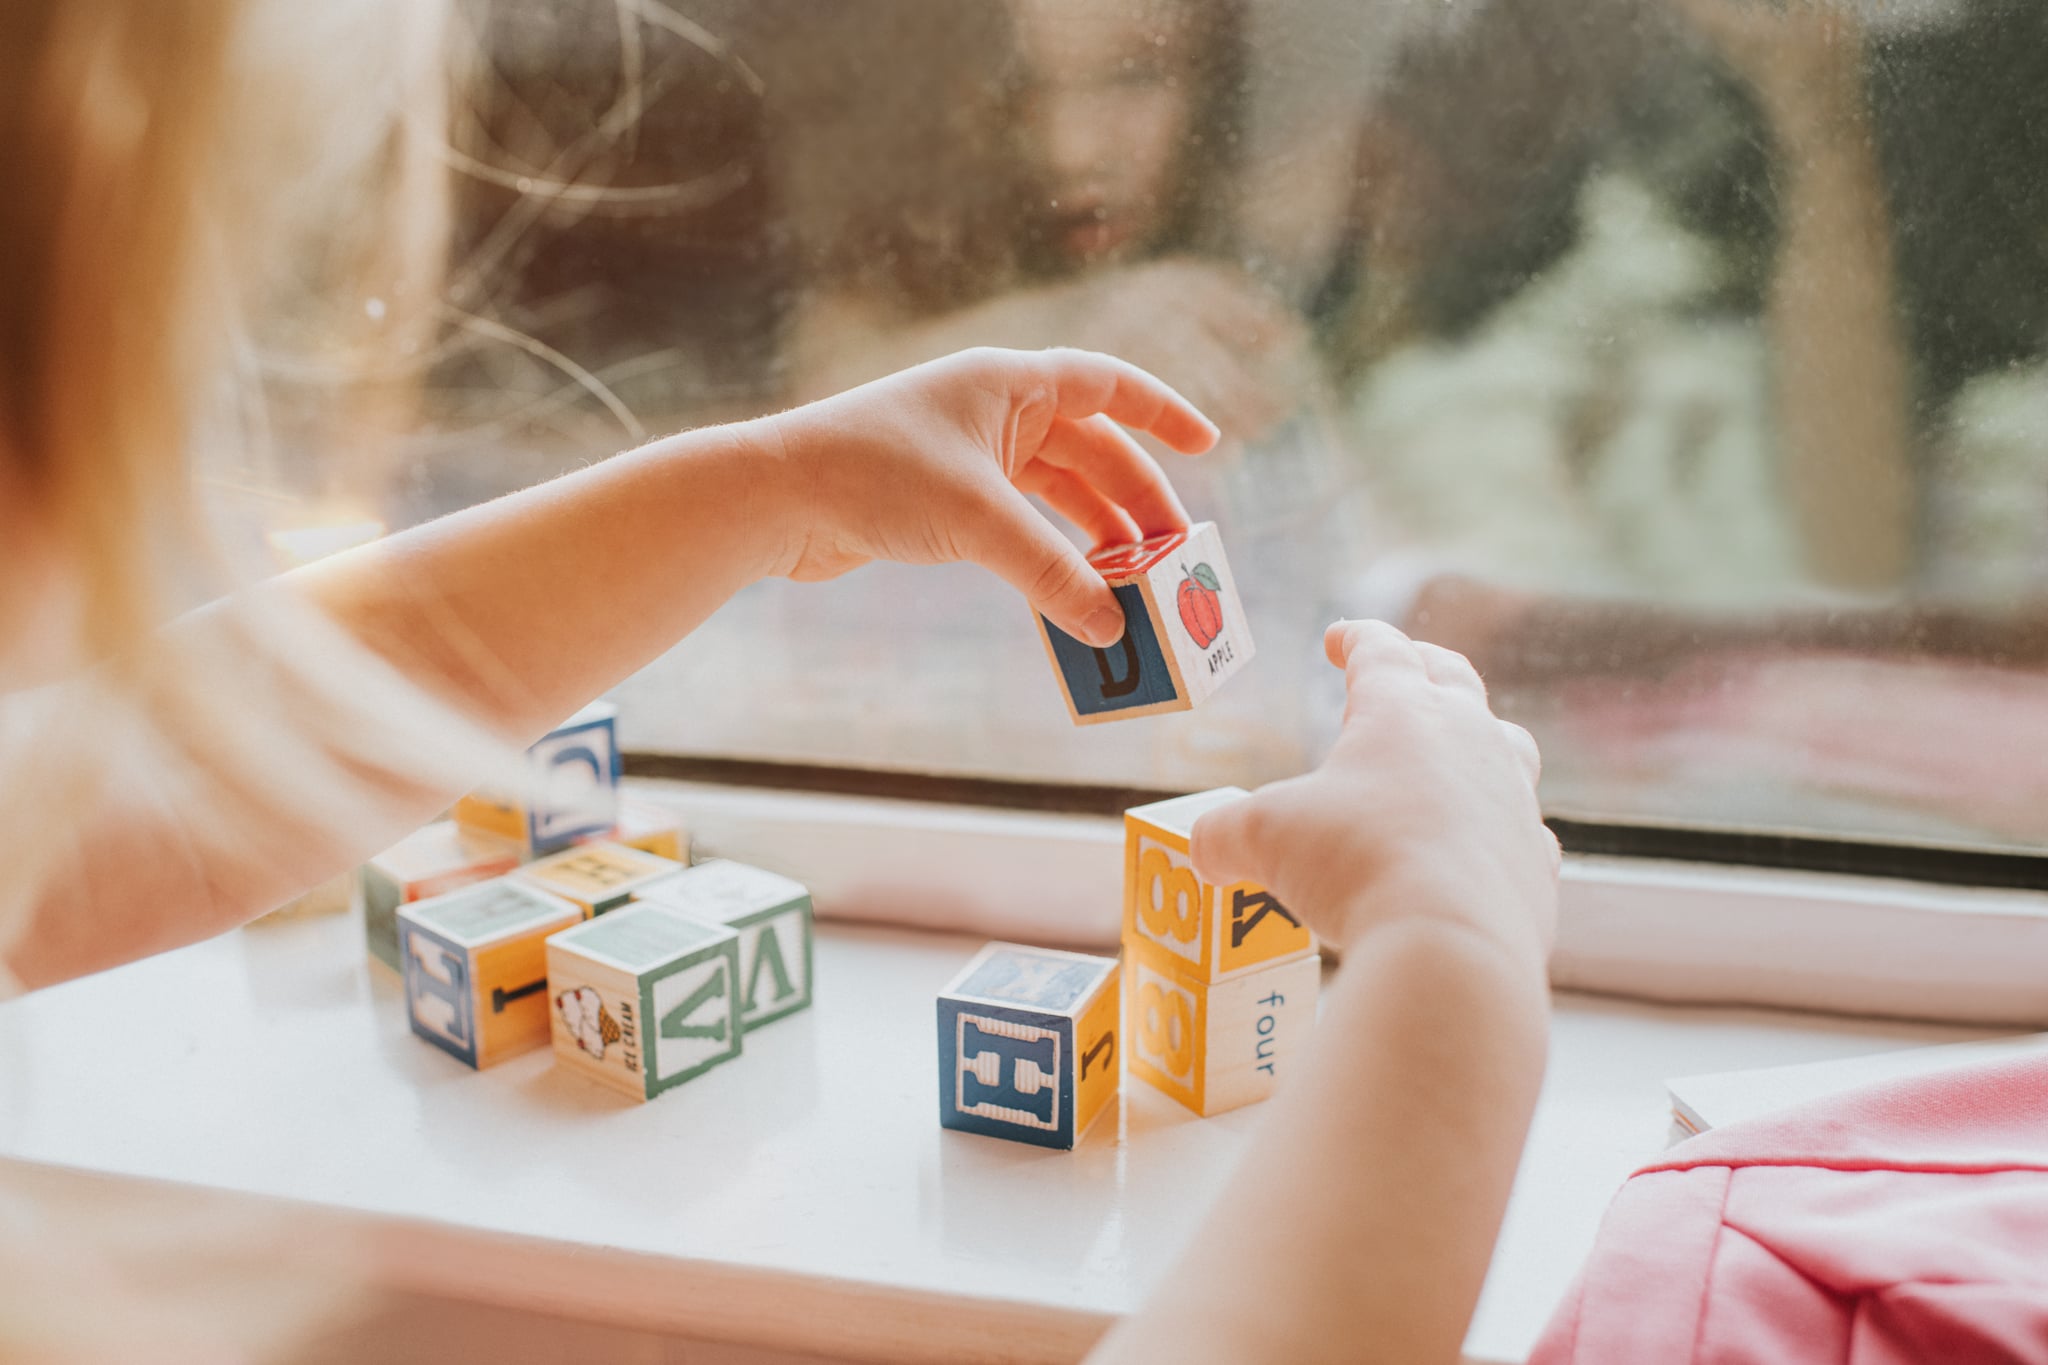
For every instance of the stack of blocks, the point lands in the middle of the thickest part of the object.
(662, 991)
(1185, 631)
(1220, 981)
(1028, 1044)
(492, 835)
(480, 913)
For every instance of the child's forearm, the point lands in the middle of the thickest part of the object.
(521, 610)
(1360, 1225)
(513, 614)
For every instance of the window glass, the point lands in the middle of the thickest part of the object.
(1683, 361)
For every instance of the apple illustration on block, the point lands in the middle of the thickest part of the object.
(1201, 604)
(1162, 663)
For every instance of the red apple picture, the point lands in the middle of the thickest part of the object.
(1201, 604)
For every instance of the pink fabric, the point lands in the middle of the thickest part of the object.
(1899, 1224)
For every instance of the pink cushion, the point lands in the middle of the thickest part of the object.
(1906, 1222)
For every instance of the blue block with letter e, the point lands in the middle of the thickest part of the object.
(1004, 1072)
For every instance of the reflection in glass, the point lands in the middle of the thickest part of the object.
(1684, 361)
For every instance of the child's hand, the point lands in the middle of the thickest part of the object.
(931, 466)
(1426, 806)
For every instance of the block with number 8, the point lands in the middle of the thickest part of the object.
(1028, 1044)
(1209, 933)
(1220, 1046)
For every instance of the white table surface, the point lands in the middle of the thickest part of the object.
(802, 1197)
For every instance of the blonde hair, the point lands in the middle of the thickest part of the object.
(221, 239)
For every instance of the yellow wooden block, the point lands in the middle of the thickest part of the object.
(1218, 1046)
(475, 967)
(598, 876)
(1095, 1044)
(652, 829)
(1210, 933)
(489, 814)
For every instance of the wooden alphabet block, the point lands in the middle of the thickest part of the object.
(572, 788)
(652, 829)
(1028, 1044)
(598, 876)
(1182, 923)
(1185, 630)
(1216, 1047)
(644, 998)
(428, 862)
(772, 916)
(475, 966)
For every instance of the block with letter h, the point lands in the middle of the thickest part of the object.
(599, 876)
(1028, 1044)
(644, 998)
(571, 791)
(772, 916)
(475, 966)
(1184, 630)
(1221, 980)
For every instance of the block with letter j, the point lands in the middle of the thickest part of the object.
(475, 967)
(1028, 1044)
(1184, 630)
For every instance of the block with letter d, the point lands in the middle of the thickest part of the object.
(1206, 932)
(475, 966)
(571, 790)
(598, 876)
(1185, 631)
(644, 998)
(772, 916)
(1028, 1044)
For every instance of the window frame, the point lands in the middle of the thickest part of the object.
(1021, 860)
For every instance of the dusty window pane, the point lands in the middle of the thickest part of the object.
(1684, 361)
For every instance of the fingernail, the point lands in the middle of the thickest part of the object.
(1105, 627)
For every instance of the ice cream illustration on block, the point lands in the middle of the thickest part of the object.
(589, 1022)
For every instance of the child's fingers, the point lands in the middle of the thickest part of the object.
(1362, 647)
(1450, 668)
(1526, 751)
(1222, 846)
(1104, 456)
(1087, 383)
(1025, 550)
(1074, 498)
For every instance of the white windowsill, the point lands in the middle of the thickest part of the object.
(1676, 932)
